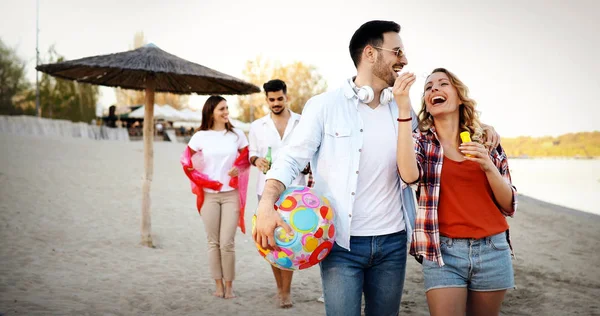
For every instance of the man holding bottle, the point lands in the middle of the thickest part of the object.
(267, 135)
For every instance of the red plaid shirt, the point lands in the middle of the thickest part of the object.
(430, 157)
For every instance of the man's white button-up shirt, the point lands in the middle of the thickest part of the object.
(264, 134)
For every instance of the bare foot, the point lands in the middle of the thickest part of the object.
(218, 293)
(285, 301)
(229, 293)
(218, 288)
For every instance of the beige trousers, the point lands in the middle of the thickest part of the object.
(220, 214)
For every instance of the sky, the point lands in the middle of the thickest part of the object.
(530, 65)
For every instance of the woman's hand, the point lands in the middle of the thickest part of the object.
(479, 154)
(401, 89)
(233, 172)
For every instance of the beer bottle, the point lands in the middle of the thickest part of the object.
(268, 158)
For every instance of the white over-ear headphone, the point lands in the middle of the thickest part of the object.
(365, 94)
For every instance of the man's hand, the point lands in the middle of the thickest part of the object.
(306, 170)
(401, 89)
(262, 164)
(267, 218)
(492, 138)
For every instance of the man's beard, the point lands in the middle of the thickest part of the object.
(277, 112)
(382, 72)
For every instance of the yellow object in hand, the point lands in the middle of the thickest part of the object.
(466, 138)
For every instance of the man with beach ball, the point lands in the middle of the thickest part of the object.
(349, 137)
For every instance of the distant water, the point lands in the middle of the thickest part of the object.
(567, 182)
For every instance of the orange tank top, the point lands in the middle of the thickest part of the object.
(466, 208)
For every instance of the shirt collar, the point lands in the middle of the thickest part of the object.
(432, 135)
(348, 89)
(294, 116)
(349, 92)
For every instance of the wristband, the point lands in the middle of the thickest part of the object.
(404, 120)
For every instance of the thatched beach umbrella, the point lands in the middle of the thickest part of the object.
(151, 69)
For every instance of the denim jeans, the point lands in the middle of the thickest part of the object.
(374, 266)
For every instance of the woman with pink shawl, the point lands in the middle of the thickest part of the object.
(216, 162)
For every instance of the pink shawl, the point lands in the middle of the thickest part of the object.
(193, 166)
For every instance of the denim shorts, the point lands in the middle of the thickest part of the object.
(476, 264)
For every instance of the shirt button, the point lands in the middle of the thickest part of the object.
(360, 150)
(356, 171)
(361, 130)
(352, 193)
(336, 134)
(349, 215)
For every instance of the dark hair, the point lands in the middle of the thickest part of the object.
(207, 113)
(274, 86)
(370, 33)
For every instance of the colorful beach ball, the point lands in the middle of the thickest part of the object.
(311, 218)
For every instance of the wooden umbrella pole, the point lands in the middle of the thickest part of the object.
(148, 162)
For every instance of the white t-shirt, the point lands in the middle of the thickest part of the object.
(378, 190)
(219, 149)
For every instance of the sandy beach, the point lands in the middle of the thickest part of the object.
(70, 226)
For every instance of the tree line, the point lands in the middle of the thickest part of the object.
(59, 99)
(303, 82)
(576, 145)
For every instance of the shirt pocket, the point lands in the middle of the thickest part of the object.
(338, 139)
(337, 131)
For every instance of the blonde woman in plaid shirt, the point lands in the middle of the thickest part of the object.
(461, 234)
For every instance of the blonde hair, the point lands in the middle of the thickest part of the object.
(469, 117)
